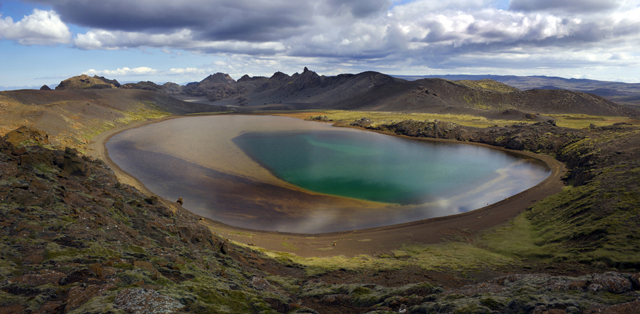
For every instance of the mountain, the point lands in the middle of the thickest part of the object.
(380, 92)
(622, 93)
(373, 91)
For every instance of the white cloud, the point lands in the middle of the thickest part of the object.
(39, 28)
(186, 71)
(349, 35)
(140, 71)
(183, 39)
(146, 71)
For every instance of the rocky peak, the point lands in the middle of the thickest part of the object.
(307, 79)
(219, 78)
(84, 82)
(108, 81)
(45, 87)
(279, 76)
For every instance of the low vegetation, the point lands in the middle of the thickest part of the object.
(378, 118)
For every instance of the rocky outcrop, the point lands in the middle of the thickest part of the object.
(25, 136)
(151, 86)
(539, 137)
(45, 88)
(107, 81)
(84, 82)
(73, 164)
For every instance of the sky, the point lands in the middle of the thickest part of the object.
(46, 41)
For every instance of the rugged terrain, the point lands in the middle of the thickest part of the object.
(372, 91)
(75, 239)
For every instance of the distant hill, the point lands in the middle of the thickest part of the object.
(375, 91)
(380, 92)
(3, 88)
(622, 93)
(87, 111)
(87, 82)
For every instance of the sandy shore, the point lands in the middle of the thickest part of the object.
(367, 241)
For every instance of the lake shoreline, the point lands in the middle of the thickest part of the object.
(374, 240)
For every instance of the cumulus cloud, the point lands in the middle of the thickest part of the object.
(183, 39)
(146, 71)
(140, 71)
(185, 71)
(371, 33)
(39, 28)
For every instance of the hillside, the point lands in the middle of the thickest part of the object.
(73, 117)
(622, 93)
(87, 82)
(371, 91)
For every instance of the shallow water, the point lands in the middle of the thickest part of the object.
(275, 173)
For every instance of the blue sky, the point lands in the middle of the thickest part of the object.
(45, 41)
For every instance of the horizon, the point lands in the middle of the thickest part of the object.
(53, 85)
(159, 41)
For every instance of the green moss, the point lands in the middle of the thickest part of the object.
(287, 283)
(44, 168)
(101, 304)
(7, 299)
(289, 246)
(471, 308)
(380, 118)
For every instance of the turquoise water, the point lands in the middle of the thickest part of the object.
(187, 158)
(372, 167)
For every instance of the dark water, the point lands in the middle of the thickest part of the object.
(418, 179)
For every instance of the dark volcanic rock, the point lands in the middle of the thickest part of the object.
(108, 81)
(151, 86)
(74, 164)
(45, 88)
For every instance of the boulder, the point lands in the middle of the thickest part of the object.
(26, 134)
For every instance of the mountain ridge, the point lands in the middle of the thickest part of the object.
(377, 91)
